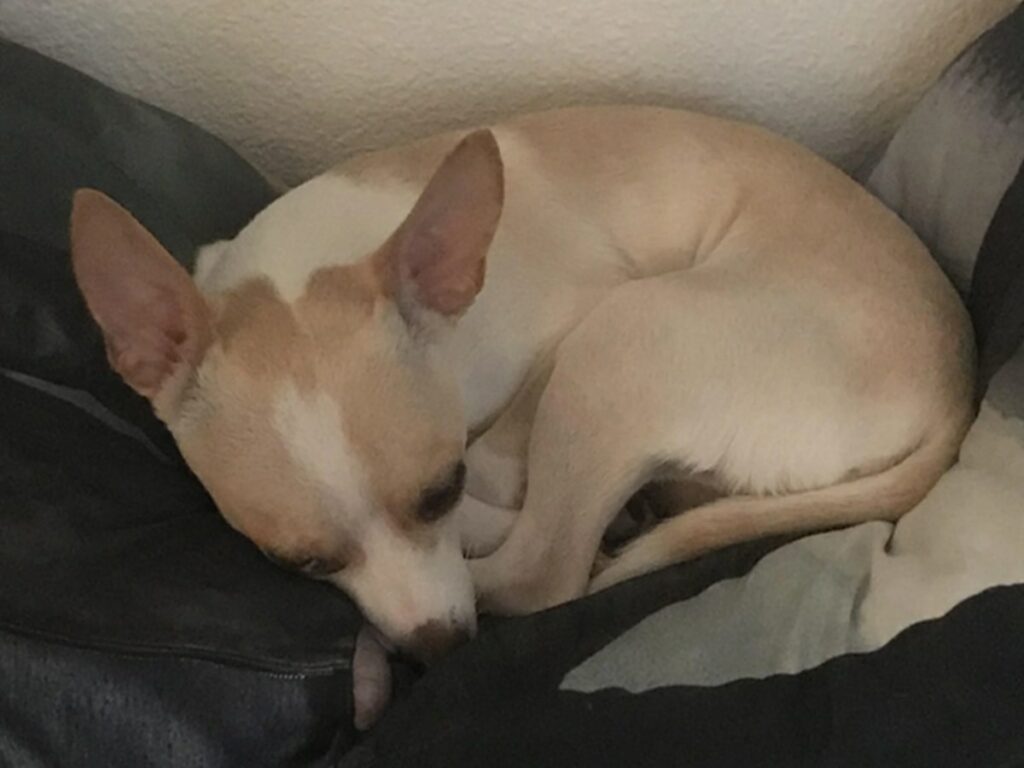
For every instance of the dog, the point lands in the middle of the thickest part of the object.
(549, 314)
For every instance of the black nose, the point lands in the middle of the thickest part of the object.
(430, 641)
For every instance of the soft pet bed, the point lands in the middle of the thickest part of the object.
(137, 629)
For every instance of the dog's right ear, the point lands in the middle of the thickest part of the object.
(435, 261)
(155, 323)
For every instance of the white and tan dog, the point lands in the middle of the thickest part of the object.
(669, 297)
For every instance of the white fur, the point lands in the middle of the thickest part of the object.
(402, 585)
(329, 220)
(207, 258)
(313, 433)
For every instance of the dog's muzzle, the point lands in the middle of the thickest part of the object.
(435, 639)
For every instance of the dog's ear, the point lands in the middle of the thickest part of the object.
(435, 260)
(154, 320)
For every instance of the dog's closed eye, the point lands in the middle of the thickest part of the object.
(441, 498)
(314, 567)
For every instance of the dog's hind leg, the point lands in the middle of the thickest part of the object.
(881, 495)
(768, 389)
(603, 427)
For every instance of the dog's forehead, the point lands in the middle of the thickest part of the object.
(323, 377)
(311, 429)
(270, 337)
(287, 360)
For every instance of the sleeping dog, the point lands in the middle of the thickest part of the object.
(552, 313)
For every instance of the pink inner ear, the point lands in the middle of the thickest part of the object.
(445, 283)
(146, 341)
(153, 318)
(441, 247)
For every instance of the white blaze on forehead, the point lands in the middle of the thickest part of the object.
(402, 582)
(311, 428)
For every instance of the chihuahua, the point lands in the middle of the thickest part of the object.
(670, 298)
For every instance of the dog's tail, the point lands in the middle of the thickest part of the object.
(886, 495)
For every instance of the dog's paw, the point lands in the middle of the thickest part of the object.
(511, 587)
(499, 590)
(491, 585)
(482, 527)
(496, 478)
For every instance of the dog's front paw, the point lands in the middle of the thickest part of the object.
(495, 478)
(482, 527)
(491, 583)
(514, 587)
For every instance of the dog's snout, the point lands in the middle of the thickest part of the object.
(430, 641)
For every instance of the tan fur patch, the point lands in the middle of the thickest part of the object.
(236, 451)
(259, 331)
(389, 418)
(247, 470)
(342, 338)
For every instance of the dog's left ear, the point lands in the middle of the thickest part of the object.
(435, 261)
(155, 323)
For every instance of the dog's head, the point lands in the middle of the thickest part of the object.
(327, 429)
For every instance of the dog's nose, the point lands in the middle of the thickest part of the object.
(430, 641)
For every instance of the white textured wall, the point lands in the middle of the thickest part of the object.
(297, 84)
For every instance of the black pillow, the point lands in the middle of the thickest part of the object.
(60, 130)
(136, 628)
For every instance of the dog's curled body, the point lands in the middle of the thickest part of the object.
(710, 300)
(667, 297)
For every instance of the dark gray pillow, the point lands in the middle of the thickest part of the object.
(60, 130)
(136, 628)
